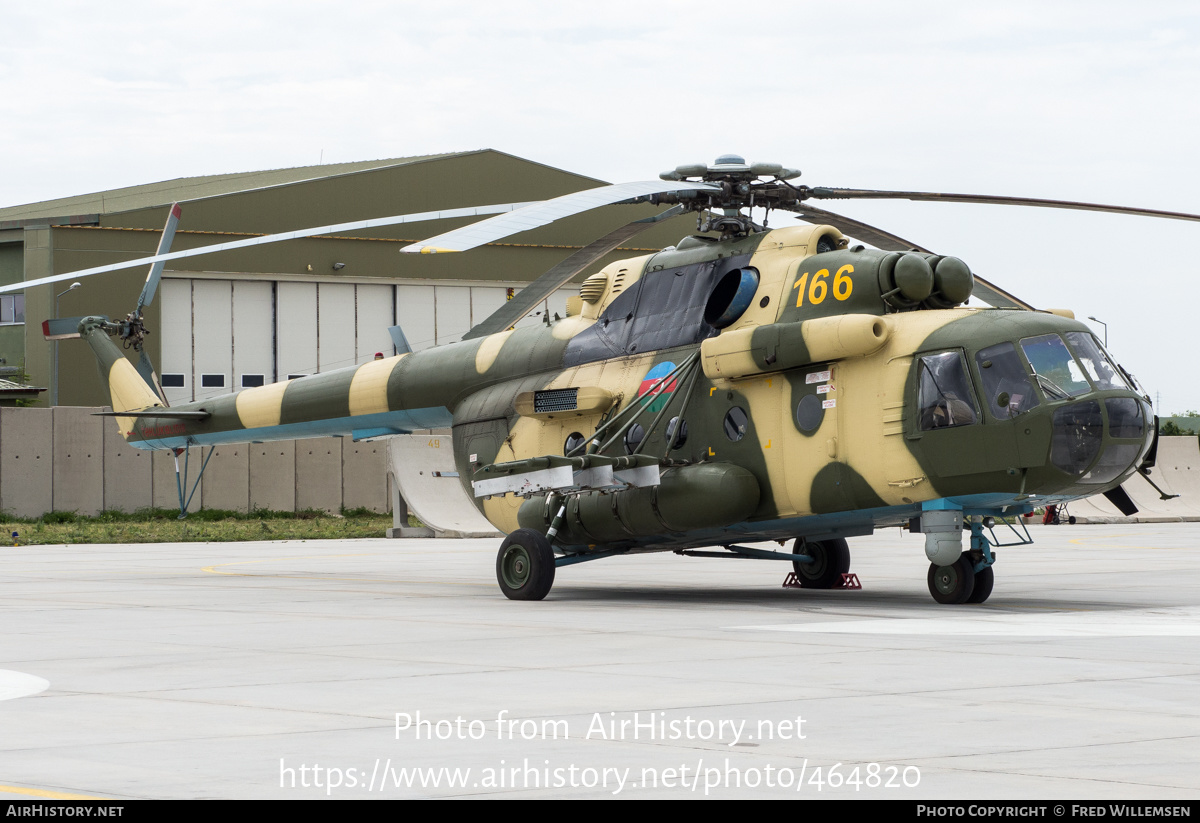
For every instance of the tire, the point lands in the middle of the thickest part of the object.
(525, 565)
(952, 584)
(984, 580)
(831, 559)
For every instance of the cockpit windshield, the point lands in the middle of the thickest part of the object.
(1056, 371)
(1095, 363)
(1006, 385)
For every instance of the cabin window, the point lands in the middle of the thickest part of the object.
(736, 423)
(633, 437)
(809, 413)
(1006, 385)
(945, 393)
(574, 441)
(681, 438)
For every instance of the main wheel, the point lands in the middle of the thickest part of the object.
(525, 565)
(984, 580)
(831, 559)
(953, 583)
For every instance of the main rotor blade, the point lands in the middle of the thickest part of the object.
(445, 214)
(156, 269)
(560, 275)
(540, 214)
(992, 200)
(877, 237)
(985, 290)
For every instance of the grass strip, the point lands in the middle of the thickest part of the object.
(206, 525)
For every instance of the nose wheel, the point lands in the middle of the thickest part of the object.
(960, 582)
(984, 579)
(954, 583)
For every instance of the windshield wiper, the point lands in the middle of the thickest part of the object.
(1049, 385)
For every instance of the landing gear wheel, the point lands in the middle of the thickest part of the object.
(984, 580)
(831, 559)
(954, 583)
(525, 565)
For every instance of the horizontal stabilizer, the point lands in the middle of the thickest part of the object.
(165, 414)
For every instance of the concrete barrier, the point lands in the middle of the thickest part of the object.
(426, 481)
(26, 461)
(1177, 471)
(66, 459)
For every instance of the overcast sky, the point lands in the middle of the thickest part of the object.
(1092, 101)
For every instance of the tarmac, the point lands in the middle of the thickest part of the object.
(396, 669)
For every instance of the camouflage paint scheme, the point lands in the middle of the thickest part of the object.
(835, 346)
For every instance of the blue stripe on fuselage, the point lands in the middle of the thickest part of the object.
(398, 421)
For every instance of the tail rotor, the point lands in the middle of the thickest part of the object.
(132, 329)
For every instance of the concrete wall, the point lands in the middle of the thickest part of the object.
(64, 459)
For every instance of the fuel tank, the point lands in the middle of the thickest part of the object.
(701, 496)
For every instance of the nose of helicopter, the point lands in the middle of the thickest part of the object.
(1100, 438)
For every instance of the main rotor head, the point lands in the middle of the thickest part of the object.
(732, 185)
(731, 168)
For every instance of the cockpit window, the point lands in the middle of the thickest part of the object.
(1098, 367)
(1055, 369)
(1006, 385)
(945, 393)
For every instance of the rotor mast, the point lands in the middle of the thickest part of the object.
(735, 185)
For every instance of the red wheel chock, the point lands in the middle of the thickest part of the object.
(849, 581)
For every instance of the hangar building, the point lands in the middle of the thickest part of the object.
(248, 317)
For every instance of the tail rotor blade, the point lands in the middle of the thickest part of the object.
(62, 328)
(156, 269)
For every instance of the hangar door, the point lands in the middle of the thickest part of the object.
(220, 336)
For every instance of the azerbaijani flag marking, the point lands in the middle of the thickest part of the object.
(651, 380)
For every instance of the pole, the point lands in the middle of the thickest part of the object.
(54, 361)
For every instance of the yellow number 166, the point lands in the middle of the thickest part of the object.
(818, 289)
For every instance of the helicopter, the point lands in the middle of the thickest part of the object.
(745, 385)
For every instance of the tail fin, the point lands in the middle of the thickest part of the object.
(126, 388)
